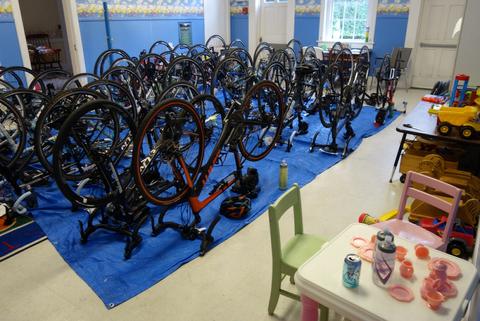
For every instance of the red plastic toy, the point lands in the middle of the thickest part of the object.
(462, 238)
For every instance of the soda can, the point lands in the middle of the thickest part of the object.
(351, 271)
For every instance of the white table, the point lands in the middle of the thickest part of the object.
(320, 278)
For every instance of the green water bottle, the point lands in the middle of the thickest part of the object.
(283, 177)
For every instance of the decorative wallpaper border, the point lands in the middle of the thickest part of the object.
(5, 7)
(392, 9)
(307, 10)
(393, 6)
(307, 7)
(238, 7)
(129, 8)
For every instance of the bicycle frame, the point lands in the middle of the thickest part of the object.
(229, 136)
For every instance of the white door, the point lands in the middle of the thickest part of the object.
(273, 21)
(436, 48)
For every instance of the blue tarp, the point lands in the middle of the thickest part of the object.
(100, 261)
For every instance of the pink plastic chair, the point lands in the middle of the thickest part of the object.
(414, 232)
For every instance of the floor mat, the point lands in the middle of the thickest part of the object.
(100, 261)
(22, 234)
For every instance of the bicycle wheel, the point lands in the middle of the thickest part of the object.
(383, 77)
(207, 60)
(185, 69)
(196, 49)
(13, 133)
(16, 76)
(123, 62)
(237, 43)
(109, 55)
(168, 152)
(30, 104)
(151, 69)
(359, 88)
(181, 49)
(293, 61)
(276, 72)
(262, 111)
(308, 55)
(212, 114)
(345, 60)
(5, 87)
(262, 58)
(50, 82)
(128, 78)
(229, 81)
(297, 49)
(216, 44)
(334, 51)
(330, 94)
(118, 94)
(160, 47)
(92, 145)
(180, 90)
(53, 116)
(241, 54)
(79, 80)
(285, 59)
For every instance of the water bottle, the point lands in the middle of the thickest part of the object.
(283, 177)
(384, 261)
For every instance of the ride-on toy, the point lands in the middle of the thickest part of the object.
(463, 118)
(462, 238)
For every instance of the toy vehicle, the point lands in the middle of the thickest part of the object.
(462, 238)
(464, 118)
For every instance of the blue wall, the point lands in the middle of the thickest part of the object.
(239, 28)
(390, 32)
(10, 54)
(307, 28)
(133, 34)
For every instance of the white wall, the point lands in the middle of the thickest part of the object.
(40, 16)
(468, 59)
(46, 16)
(217, 18)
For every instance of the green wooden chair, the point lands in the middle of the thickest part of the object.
(295, 252)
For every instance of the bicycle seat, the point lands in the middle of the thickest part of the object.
(305, 69)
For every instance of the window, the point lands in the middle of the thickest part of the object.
(347, 20)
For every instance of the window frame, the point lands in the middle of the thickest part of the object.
(326, 24)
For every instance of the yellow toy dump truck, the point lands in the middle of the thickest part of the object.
(463, 118)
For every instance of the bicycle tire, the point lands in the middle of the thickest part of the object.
(269, 122)
(57, 105)
(181, 188)
(64, 134)
(16, 138)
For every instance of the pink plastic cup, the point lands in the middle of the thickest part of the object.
(421, 251)
(434, 299)
(401, 253)
(406, 269)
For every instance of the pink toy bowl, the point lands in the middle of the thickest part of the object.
(401, 253)
(406, 269)
(401, 293)
(366, 253)
(421, 251)
(434, 299)
(358, 242)
(453, 270)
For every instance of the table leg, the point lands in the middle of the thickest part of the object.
(397, 158)
(309, 309)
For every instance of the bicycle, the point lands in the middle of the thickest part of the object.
(337, 102)
(91, 168)
(169, 149)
